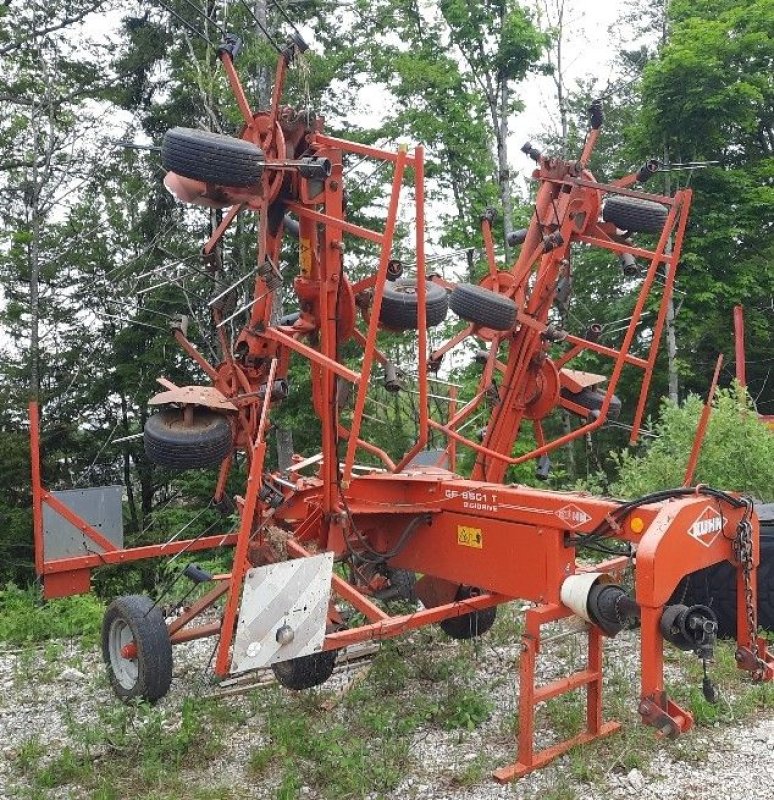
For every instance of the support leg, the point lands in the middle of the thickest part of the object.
(655, 708)
(530, 696)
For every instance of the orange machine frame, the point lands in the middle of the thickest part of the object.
(507, 541)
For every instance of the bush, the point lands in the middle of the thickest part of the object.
(737, 453)
(24, 618)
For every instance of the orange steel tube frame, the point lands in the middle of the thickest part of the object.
(530, 695)
(664, 556)
(701, 429)
(55, 572)
(526, 539)
(676, 220)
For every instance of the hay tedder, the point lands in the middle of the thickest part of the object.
(324, 536)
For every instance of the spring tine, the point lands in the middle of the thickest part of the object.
(228, 289)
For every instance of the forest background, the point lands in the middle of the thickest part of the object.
(96, 258)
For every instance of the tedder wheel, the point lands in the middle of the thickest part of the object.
(715, 586)
(135, 619)
(404, 583)
(212, 157)
(306, 671)
(634, 214)
(483, 307)
(399, 304)
(171, 442)
(592, 399)
(470, 625)
(401, 588)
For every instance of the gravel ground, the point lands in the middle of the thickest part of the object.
(52, 691)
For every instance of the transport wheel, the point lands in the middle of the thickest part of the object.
(399, 305)
(170, 442)
(715, 586)
(147, 676)
(634, 214)
(306, 671)
(592, 399)
(483, 307)
(468, 626)
(212, 157)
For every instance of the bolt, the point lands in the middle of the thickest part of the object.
(285, 634)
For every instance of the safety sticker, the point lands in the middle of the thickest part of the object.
(470, 537)
(305, 257)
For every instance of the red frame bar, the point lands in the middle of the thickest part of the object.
(701, 429)
(373, 326)
(240, 563)
(37, 489)
(530, 695)
(336, 224)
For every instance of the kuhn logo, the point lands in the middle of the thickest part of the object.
(572, 516)
(707, 527)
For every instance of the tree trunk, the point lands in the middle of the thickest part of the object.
(128, 483)
(504, 174)
(34, 265)
(671, 336)
(264, 75)
(284, 447)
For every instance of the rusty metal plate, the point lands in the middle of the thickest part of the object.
(207, 396)
(283, 613)
(576, 380)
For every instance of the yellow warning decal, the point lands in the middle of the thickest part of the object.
(470, 537)
(305, 257)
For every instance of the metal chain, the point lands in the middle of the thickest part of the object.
(743, 553)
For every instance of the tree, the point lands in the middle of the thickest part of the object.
(709, 97)
(47, 131)
(734, 427)
(452, 70)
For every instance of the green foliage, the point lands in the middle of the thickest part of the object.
(708, 96)
(737, 453)
(24, 618)
(464, 708)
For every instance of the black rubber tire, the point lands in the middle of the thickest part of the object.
(402, 585)
(592, 399)
(468, 626)
(136, 614)
(483, 307)
(171, 443)
(634, 214)
(306, 671)
(212, 157)
(398, 311)
(715, 586)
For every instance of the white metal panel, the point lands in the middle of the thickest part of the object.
(292, 596)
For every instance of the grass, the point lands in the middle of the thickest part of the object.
(25, 619)
(137, 751)
(364, 743)
(473, 772)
